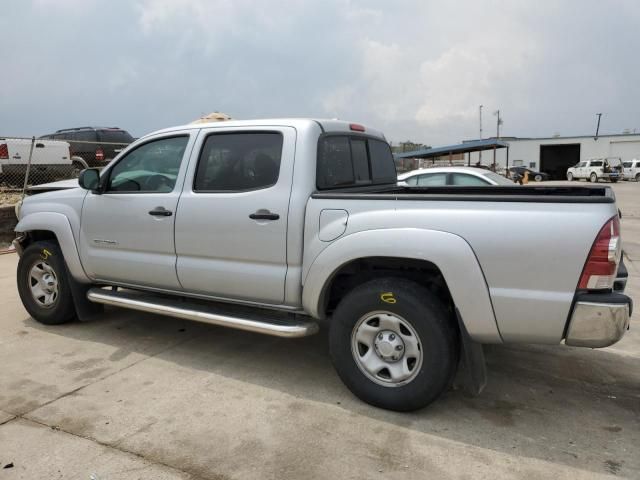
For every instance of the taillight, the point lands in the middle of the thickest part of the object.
(99, 154)
(4, 151)
(602, 264)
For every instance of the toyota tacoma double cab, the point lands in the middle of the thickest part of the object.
(272, 226)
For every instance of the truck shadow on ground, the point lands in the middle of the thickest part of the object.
(557, 404)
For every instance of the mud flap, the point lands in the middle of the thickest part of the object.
(85, 309)
(473, 369)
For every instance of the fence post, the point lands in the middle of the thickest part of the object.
(26, 174)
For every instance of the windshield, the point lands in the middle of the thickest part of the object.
(499, 179)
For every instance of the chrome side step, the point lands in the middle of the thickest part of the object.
(241, 318)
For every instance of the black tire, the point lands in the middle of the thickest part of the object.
(593, 178)
(614, 180)
(637, 177)
(436, 331)
(61, 309)
(538, 178)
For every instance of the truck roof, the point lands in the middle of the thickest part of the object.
(327, 125)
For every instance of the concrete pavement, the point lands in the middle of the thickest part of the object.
(133, 396)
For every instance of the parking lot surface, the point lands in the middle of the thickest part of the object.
(132, 395)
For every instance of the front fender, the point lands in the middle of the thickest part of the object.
(59, 225)
(450, 253)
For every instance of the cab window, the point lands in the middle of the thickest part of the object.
(152, 167)
(235, 162)
(348, 160)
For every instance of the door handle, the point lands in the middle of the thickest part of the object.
(160, 212)
(264, 215)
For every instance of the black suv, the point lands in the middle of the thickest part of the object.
(95, 145)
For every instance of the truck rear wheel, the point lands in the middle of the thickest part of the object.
(593, 178)
(42, 284)
(393, 344)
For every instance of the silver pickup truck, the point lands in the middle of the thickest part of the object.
(273, 225)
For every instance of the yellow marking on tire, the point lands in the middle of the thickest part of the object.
(388, 297)
(45, 254)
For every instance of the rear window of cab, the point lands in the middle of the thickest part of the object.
(352, 160)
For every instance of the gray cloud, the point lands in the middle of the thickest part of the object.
(414, 69)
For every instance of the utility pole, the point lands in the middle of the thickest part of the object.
(598, 126)
(498, 123)
(480, 152)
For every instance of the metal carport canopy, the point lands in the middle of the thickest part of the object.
(466, 147)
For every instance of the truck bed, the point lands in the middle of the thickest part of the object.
(531, 242)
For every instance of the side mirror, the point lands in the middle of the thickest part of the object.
(89, 179)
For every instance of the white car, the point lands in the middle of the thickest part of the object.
(452, 176)
(597, 169)
(631, 170)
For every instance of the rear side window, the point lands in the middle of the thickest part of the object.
(596, 164)
(432, 179)
(233, 162)
(412, 180)
(84, 136)
(114, 136)
(467, 180)
(345, 160)
(626, 164)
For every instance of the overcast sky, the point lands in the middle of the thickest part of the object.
(415, 69)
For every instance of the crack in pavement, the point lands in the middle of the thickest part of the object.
(193, 476)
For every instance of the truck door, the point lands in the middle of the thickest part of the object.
(231, 225)
(126, 232)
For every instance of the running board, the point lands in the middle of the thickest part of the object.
(241, 318)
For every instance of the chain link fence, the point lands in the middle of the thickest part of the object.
(25, 162)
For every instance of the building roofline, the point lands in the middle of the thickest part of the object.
(511, 139)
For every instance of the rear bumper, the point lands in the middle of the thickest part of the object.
(599, 320)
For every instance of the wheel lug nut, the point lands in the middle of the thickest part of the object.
(380, 337)
(392, 337)
(398, 347)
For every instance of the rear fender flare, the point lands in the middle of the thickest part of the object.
(449, 252)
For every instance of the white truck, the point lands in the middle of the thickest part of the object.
(596, 169)
(272, 225)
(50, 159)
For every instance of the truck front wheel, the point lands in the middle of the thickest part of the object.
(42, 284)
(393, 344)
